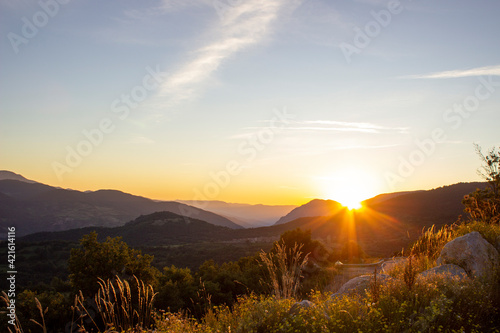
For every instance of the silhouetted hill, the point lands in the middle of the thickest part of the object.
(4, 174)
(386, 196)
(316, 207)
(157, 229)
(438, 206)
(382, 228)
(377, 234)
(249, 216)
(35, 207)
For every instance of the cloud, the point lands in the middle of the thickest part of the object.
(336, 126)
(356, 126)
(239, 27)
(458, 73)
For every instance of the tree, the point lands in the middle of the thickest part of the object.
(313, 248)
(352, 252)
(484, 205)
(176, 289)
(105, 260)
(490, 170)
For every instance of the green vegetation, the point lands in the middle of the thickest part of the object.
(105, 260)
(484, 205)
(407, 303)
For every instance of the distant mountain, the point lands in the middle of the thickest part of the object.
(316, 207)
(378, 235)
(35, 207)
(4, 174)
(386, 196)
(249, 216)
(387, 223)
(438, 206)
(157, 229)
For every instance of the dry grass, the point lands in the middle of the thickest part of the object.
(285, 269)
(17, 327)
(431, 242)
(119, 309)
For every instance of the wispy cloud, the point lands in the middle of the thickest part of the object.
(240, 26)
(458, 73)
(356, 126)
(336, 126)
(325, 126)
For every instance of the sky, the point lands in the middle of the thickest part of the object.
(254, 101)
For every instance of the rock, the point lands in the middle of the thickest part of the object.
(300, 305)
(471, 252)
(360, 284)
(448, 270)
(388, 265)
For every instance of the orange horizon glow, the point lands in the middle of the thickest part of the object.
(349, 187)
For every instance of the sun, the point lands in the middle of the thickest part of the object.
(351, 203)
(349, 187)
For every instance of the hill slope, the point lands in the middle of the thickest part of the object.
(382, 228)
(156, 229)
(377, 234)
(438, 206)
(316, 207)
(249, 216)
(35, 207)
(4, 174)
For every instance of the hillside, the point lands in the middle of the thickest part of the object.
(249, 216)
(156, 229)
(378, 234)
(4, 175)
(35, 207)
(316, 207)
(441, 205)
(438, 206)
(382, 228)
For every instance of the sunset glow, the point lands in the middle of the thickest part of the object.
(272, 102)
(349, 187)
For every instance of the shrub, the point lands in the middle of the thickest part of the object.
(285, 267)
(120, 308)
(431, 242)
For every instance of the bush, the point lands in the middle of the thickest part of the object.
(94, 260)
(431, 242)
(490, 232)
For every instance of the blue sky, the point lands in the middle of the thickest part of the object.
(224, 70)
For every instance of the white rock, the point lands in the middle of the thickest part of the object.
(360, 284)
(388, 265)
(302, 304)
(471, 252)
(448, 270)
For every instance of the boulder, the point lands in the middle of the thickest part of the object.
(299, 305)
(388, 265)
(448, 270)
(359, 285)
(471, 252)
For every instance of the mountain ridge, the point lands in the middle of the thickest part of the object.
(35, 207)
